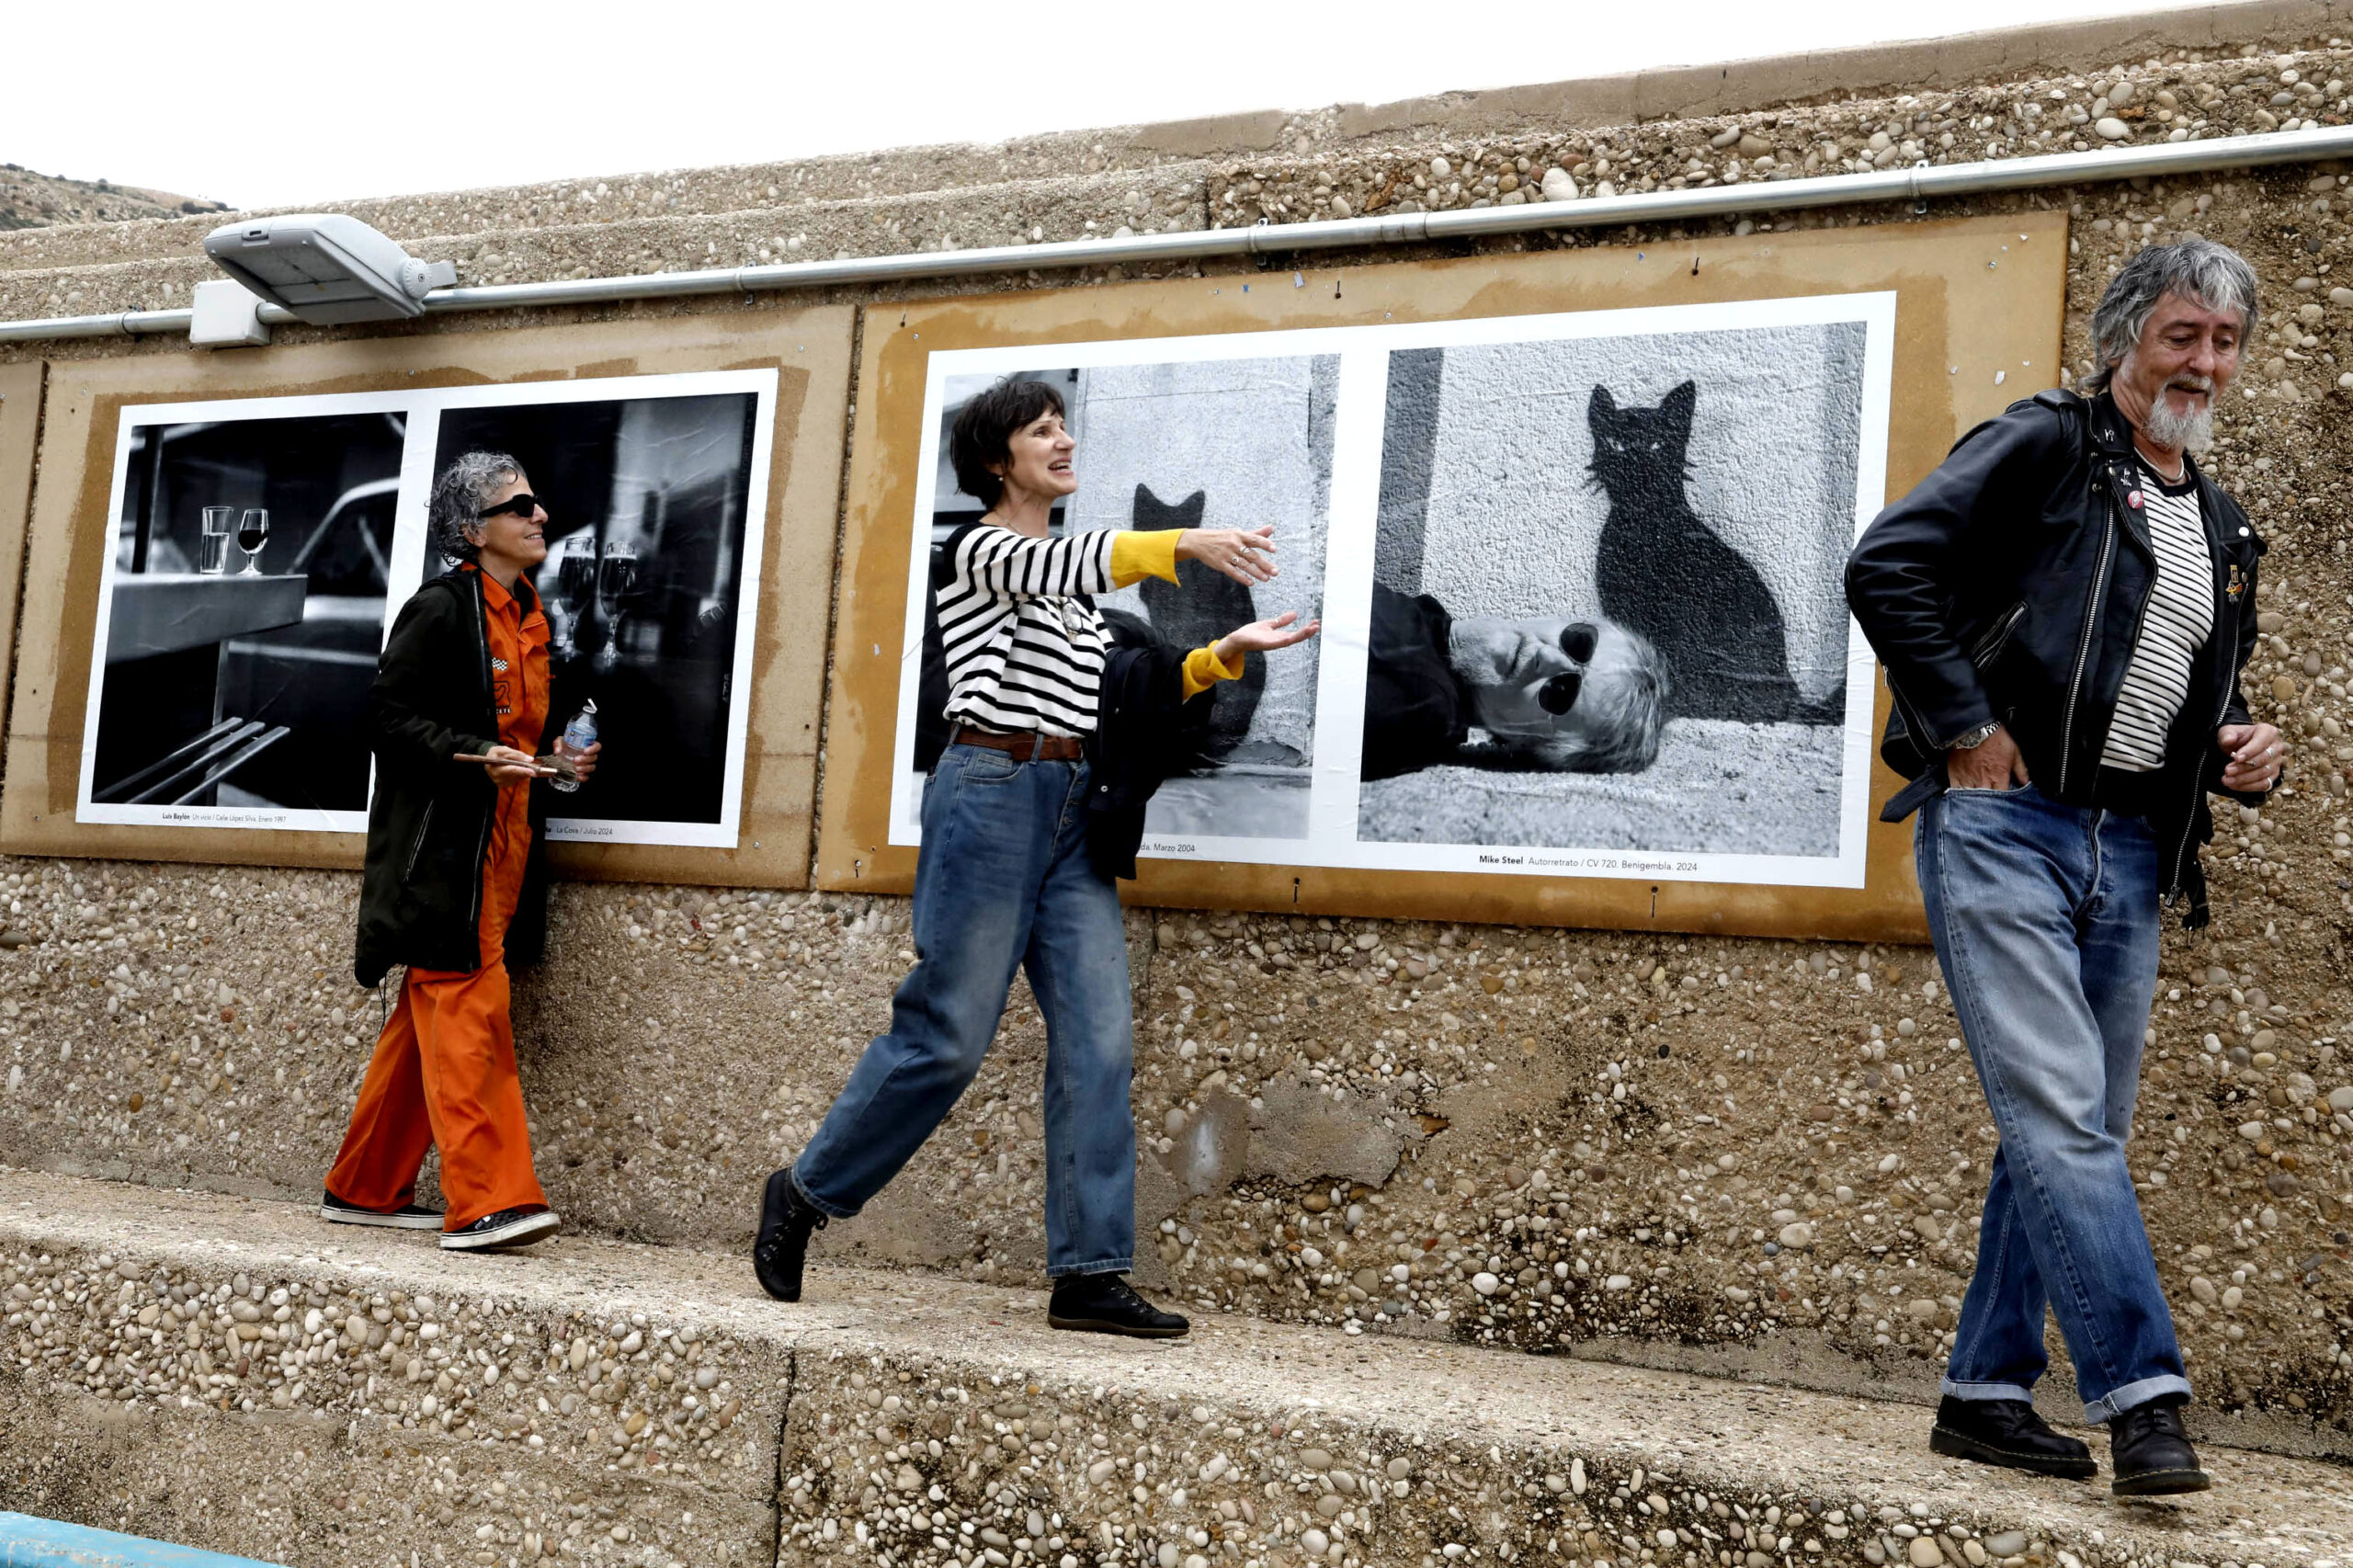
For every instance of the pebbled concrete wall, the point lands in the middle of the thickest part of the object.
(1750, 1156)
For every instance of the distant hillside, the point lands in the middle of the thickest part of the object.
(29, 200)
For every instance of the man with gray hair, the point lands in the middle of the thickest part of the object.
(2062, 610)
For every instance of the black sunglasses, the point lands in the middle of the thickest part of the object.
(522, 504)
(1559, 695)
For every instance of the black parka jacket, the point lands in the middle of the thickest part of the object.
(2011, 583)
(1146, 732)
(428, 825)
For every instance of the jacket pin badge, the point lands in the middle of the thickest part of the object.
(2238, 583)
(2132, 498)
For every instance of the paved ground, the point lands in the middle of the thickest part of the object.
(1717, 787)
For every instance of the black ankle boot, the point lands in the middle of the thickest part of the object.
(786, 1220)
(1105, 1303)
(2150, 1452)
(2009, 1432)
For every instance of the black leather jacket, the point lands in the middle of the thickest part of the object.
(2010, 584)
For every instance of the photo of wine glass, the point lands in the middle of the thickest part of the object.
(620, 570)
(576, 570)
(572, 606)
(253, 532)
(219, 522)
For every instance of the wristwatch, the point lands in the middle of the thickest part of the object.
(1971, 740)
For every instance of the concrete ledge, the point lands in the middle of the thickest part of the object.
(907, 1421)
(768, 196)
(1913, 66)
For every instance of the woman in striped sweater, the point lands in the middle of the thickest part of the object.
(1006, 881)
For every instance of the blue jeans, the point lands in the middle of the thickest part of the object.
(1004, 879)
(2045, 919)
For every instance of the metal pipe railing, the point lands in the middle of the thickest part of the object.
(1918, 183)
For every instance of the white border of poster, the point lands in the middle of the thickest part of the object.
(1364, 354)
(424, 408)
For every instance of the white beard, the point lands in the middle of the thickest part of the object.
(2189, 432)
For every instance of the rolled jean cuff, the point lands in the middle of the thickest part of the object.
(830, 1211)
(2116, 1401)
(1951, 1390)
(1100, 1266)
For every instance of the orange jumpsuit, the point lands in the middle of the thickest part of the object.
(444, 1069)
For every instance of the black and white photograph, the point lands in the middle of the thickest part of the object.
(1579, 576)
(1606, 610)
(244, 610)
(263, 546)
(649, 588)
(1172, 444)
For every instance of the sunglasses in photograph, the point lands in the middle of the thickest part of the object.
(522, 506)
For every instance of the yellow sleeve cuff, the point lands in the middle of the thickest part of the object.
(1203, 669)
(1137, 555)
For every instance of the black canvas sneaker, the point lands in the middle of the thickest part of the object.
(507, 1228)
(2009, 1432)
(786, 1220)
(407, 1217)
(2150, 1452)
(1107, 1303)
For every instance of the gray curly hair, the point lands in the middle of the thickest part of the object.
(2212, 274)
(459, 492)
(1625, 694)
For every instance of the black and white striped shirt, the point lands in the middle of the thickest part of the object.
(1024, 652)
(2180, 618)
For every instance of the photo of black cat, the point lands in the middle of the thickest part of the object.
(1664, 572)
(1690, 494)
(1197, 609)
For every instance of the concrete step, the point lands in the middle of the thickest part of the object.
(1340, 160)
(122, 267)
(617, 1403)
(707, 202)
(732, 189)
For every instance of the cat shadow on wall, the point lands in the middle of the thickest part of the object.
(1664, 572)
(1197, 609)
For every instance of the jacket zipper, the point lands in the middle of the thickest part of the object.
(2092, 608)
(418, 849)
(1989, 646)
(1997, 637)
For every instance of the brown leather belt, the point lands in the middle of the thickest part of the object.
(1030, 747)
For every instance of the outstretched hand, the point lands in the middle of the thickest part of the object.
(1285, 630)
(1244, 556)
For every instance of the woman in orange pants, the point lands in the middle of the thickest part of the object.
(455, 888)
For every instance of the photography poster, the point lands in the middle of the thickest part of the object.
(1580, 577)
(264, 546)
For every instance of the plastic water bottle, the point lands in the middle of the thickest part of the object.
(579, 736)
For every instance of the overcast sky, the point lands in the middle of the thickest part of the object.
(266, 106)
